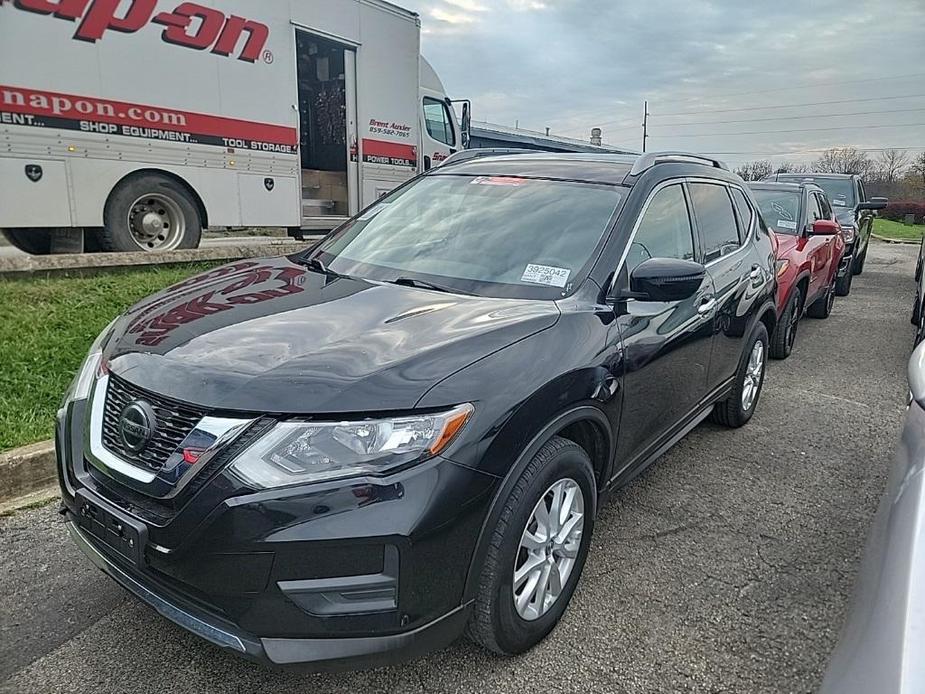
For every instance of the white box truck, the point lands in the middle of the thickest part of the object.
(146, 121)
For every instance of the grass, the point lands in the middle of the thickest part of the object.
(46, 326)
(898, 230)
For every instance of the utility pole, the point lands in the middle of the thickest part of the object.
(645, 124)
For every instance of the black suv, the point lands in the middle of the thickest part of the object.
(853, 210)
(353, 454)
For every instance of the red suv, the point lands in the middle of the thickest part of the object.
(811, 263)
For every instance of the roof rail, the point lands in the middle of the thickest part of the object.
(467, 154)
(650, 159)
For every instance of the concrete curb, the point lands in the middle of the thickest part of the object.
(906, 242)
(88, 263)
(26, 470)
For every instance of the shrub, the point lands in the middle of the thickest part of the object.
(898, 210)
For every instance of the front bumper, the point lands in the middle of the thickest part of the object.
(315, 653)
(844, 266)
(349, 574)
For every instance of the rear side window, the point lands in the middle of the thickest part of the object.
(746, 213)
(716, 220)
(438, 121)
(664, 231)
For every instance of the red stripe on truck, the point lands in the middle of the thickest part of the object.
(57, 105)
(391, 153)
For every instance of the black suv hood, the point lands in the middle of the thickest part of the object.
(273, 336)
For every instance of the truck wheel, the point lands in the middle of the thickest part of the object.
(739, 407)
(150, 213)
(34, 241)
(858, 266)
(537, 550)
(822, 307)
(786, 331)
(843, 284)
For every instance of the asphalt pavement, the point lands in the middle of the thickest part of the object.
(727, 567)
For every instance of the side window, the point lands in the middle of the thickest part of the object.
(746, 213)
(716, 220)
(438, 121)
(664, 231)
(824, 206)
(815, 211)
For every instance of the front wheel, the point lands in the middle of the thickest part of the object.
(150, 212)
(536, 550)
(843, 283)
(786, 331)
(822, 307)
(739, 407)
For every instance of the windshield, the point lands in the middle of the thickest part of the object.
(840, 191)
(488, 235)
(780, 209)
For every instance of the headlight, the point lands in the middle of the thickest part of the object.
(83, 382)
(300, 452)
(849, 230)
(782, 266)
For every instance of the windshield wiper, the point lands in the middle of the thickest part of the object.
(317, 264)
(424, 284)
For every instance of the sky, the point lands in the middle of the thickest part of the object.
(571, 65)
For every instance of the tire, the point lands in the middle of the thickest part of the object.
(781, 343)
(843, 284)
(733, 412)
(150, 212)
(496, 622)
(34, 241)
(822, 307)
(858, 266)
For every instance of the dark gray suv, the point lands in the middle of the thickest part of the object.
(853, 209)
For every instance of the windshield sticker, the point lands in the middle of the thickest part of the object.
(839, 201)
(546, 274)
(498, 181)
(786, 224)
(781, 210)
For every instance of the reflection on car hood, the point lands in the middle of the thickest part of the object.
(273, 336)
(844, 215)
(785, 244)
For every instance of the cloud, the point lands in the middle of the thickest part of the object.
(583, 63)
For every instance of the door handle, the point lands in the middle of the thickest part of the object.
(426, 163)
(706, 306)
(756, 273)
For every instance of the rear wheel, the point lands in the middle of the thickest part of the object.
(150, 213)
(822, 307)
(537, 550)
(786, 331)
(34, 241)
(739, 407)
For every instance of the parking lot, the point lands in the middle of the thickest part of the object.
(727, 567)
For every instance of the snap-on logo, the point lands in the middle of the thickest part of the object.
(189, 24)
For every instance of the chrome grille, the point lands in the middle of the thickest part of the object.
(174, 421)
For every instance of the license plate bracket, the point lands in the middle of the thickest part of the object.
(115, 530)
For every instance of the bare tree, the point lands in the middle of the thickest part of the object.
(755, 170)
(891, 165)
(847, 160)
(790, 167)
(918, 166)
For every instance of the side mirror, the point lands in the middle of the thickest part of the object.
(824, 227)
(465, 123)
(665, 279)
(874, 204)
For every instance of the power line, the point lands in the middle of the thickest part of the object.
(799, 130)
(814, 115)
(768, 108)
(795, 152)
(765, 91)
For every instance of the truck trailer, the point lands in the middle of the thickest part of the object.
(143, 122)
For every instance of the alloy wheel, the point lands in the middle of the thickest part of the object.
(753, 373)
(548, 549)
